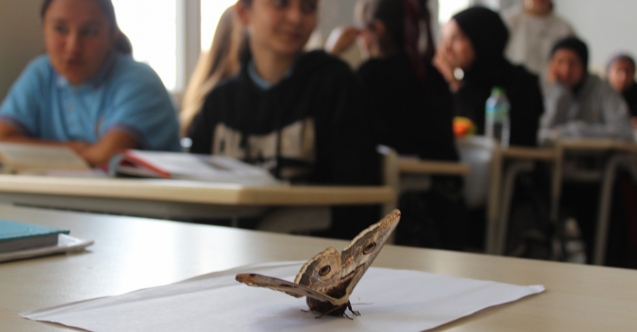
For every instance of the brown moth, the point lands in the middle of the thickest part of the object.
(327, 280)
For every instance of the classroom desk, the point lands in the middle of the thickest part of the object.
(175, 198)
(507, 164)
(133, 253)
(496, 171)
(415, 174)
(408, 165)
(617, 155)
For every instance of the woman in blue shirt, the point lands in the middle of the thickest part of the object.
(87, 92)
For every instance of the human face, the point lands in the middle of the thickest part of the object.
(538, 7)
(567, 68)
(279, 26)
(621, 75)
(455, 47)
(78, 38)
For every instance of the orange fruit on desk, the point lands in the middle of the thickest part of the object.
(463, 127)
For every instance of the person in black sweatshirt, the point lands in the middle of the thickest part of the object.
(410, 104)
(471, 58)
(410, 99)
(296, 114)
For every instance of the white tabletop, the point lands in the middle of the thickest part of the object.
(133, 253)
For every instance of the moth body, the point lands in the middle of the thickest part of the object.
(328, 279)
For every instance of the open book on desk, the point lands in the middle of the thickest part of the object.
(185, 166)
(29, 158)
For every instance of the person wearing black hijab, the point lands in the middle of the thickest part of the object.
(471, 58)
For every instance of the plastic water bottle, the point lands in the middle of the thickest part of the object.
(497, 116)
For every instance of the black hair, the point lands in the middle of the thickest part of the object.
(122, 44)
(486, 30)
(403, 20)
(392, 14)
(574, 44)
(621, 57)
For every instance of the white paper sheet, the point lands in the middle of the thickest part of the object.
(388, 300)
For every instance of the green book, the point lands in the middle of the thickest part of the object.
(16, 236)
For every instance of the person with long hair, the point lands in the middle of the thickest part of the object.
(410, 103)
(87, 93)
(410, 99)
(219, 63)
(292, 112)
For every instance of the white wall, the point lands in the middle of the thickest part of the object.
(607, 26)
(20, 39)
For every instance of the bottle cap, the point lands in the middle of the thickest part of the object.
(498, 90)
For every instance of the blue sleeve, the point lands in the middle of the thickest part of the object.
(142, 108)
(21, 107)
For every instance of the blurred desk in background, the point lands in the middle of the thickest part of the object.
(614, 156)
(175, 198)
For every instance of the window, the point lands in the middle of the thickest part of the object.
(151, 26)
(211, 11)
(448, 8)
(168, 35)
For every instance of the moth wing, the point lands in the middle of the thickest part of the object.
(359, 255)
(285, 286)
(321, 272)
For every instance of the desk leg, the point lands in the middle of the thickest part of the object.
(491, 241)
(605, 202)
(511, 173)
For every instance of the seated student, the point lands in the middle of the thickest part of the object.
(343, 41)
(579, 104)
(534, 29)
(408, 96)
(219, 63)
(87, 93)
(471, 58)
(621, 76)
(411, 104)
(296, 114)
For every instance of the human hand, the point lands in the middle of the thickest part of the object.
(77, 146)
(447, 72)
(341, 38)
(551, 75)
